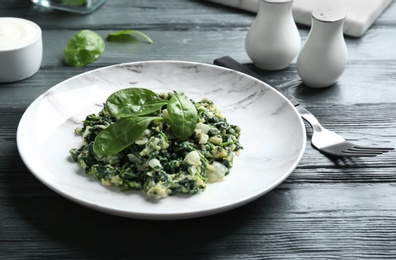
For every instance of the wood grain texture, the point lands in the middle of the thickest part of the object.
(327, 209)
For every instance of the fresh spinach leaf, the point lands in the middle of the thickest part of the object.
(183, 116)
(131, 106)
(121, 35)
(83, 48)
(133, 102)
(120, 135)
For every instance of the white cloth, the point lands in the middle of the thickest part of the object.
(361, 14)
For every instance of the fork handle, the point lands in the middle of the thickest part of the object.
(310, 118)
(230, 63)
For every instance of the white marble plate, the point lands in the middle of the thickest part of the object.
(273, 136)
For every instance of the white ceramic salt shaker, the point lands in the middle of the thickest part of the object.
(323, 57)
(273, 40)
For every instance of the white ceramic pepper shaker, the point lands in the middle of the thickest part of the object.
(323, 57)
(273, 40)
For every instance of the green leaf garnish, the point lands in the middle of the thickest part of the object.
(121, 35)
(183, 116)
(83, 48)
(132, 107)
(133, 101)
(120, 135)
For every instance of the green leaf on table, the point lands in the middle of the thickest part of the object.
(83, 48)
(127, 35)
(133, 102)
(183, 116)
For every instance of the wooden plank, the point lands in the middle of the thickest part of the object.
(360, 84)
(352, 220)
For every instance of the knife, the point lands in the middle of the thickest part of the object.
(230, 63)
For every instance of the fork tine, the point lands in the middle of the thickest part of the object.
(366, 148)
(358, 154)
(362, 151)
(365, 151)
(374, 151)
(350, 154)
(347, 149)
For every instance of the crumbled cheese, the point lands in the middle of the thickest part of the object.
(158, 191)
(216, 172)
(216, 140)
(155, 164)
(142, 140)
(203, 127)
(193, 158)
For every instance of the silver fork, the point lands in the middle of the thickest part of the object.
(322, 139)
(331, 143)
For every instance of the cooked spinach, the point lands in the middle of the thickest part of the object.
(145, 152)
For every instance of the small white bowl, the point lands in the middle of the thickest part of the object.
(21, 49)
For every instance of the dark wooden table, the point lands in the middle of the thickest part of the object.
(328, 208)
